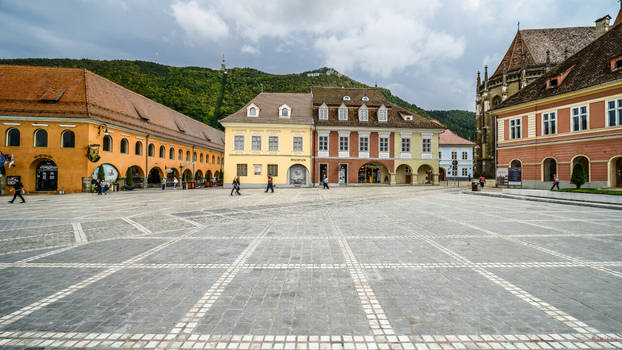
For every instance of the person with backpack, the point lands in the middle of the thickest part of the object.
(555, 182)
(270, 185)
(325, 182)
(236, 186)
(18, 187)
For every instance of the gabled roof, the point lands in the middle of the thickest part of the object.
(86, 94)
(589, 67)
(449, 138)
(335, 95)
(535, 42)
(269, 103)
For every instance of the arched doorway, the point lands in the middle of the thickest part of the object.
(208, 176)
(585, 164)
(618, 170)
(441, 174)
(403, 174)
(217, 175)
(47, 176)
(171, 173)
(549, 169)
(155, 176)
(373, 173)
(424, 175)
(297, 174)
(614, 171)
(137, 175)
(187, 175)
(111, 174)
(198, 176)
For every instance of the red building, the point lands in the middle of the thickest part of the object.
(571, 115)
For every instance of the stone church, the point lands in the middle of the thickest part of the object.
(532, 53)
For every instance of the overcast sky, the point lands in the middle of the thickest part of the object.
(425, 51)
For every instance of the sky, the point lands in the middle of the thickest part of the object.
(427, 52)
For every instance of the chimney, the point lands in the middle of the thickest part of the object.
(602, 25)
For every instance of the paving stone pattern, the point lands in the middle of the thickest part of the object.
(367, 268)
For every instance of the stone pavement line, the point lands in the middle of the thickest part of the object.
(137, 225)
(191, 319)
(78, 233)
(375, 315)
(193, 223)
(26, 310)
(532, 300)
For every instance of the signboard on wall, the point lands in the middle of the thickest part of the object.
(11, 180)
(514, 176)
(502, 176)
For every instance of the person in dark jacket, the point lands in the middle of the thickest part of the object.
(236, 186)
(18, 187)
(270, 184)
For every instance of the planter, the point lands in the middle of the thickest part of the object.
(128, 188)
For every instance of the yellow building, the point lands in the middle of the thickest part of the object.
(270, 136)
(62, 124)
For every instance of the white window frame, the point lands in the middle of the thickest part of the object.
(465, 172)
(382, 114)
(343, 112)
(287, 108)
(426, 141)
(344, 152)
(320, 152)
(580, 115)
(364, 153)
(405, 152)
(294, 143)
(363, 113)
(548, 119)
(248, 111)
(323, 112)
(271, 141)
(254, 138)
(237, 141)
(516, 128)
(617, 110)
(387, 137)
(465, 155)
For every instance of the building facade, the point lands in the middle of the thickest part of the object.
(270, 136)
(454, 148)
(361, 138)
(532, 53)
(571, 115)
(62, 124)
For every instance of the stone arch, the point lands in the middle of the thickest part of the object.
(172, 172)
(548, 168)
(155, 175)
(208, 175)
(614, 171)
(403, 175)
(198, 176)
(425, 174)
(298, 174)
(515, 163)
(374, 172)
(187, 174)
(46, 174)
(585, 163)
(138, 175)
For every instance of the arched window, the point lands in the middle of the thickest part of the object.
(188, 156)
(139, 148)
(213, 161)
(151, 150)
(162, 152)
(343, 112)
(363, 113)
(12, 137)
(201, 158)
(171, 153)
(219, 160)
(68, 139)
(108, 143)
(549, 169)
(124, 146)
(180, 155)
(41, 138)
(194, 156)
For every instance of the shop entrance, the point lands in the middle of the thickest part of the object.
(343, 173)
(619, 173)
(369, 174)
(323, 172)
(47, 176)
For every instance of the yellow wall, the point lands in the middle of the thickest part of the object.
(284, 157)
(73, 164)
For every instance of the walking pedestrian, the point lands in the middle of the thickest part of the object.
(236, 186)
(99, 187)
(325, 182)
(482, 181)
(175, 182)
(163, 183)
(555, 182)
(270, 185)
(18, 187)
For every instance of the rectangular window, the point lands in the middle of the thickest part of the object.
(465, 172)
(256, 143)
(323, 113)
(384, 144)
(454, 155)
(515, 130)
(406, 145)
(273, 170)
(454, 171)
(241, 169)
(426, 145)
(344, 143)
(323, 144)
(343, 113)
(363, 144)
(579, 118)
(548, 123)
(297, 143)
(465, 155)
(238, 143)
(614, 112)
(440, 155)
(273, 143)
(257, 169)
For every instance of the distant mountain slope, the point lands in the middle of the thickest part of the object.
(460, 122)
(200, 93)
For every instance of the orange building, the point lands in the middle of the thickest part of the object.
(570, 116)
(62, 124)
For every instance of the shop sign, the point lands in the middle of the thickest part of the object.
(298, 159)
(514, 176)
(502, 176)
(11, 180)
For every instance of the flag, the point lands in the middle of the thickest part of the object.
(2, 159)
(12, 161)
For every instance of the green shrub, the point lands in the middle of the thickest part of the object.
(129, 178)
(578, 175)
(101, 175)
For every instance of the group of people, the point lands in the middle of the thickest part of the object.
(102, 186)
(175, 182)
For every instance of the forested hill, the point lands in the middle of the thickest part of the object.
(460, 122)
(200, 93)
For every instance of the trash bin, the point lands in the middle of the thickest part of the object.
(474, 186)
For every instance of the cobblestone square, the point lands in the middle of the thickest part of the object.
(370, 268)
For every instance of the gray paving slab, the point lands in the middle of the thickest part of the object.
(495, 250)
(52, 239)
(14, 257)
(113, 251)
(213, 251)
(579, 247)
(293, 251)
(400, 250)
(583, 227)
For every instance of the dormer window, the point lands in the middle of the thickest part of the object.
(616, 63)
(346, 98)
(343, 112)
(553, 83)
(406, 117)
(363, 113)
(285, 111)
(558, 79)
(252, 110)
(365, 98)
(323, 112)
(382, 114)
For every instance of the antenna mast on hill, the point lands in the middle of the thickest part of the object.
(156, 57)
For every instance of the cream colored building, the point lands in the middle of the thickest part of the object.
(271, 135)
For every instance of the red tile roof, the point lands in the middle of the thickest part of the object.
(269, 103)
(449, 138)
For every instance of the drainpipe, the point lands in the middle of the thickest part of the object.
(313, 158)
(146, 162)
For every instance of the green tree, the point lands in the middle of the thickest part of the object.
(129, 178)
(101, 175)
(578, 175)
